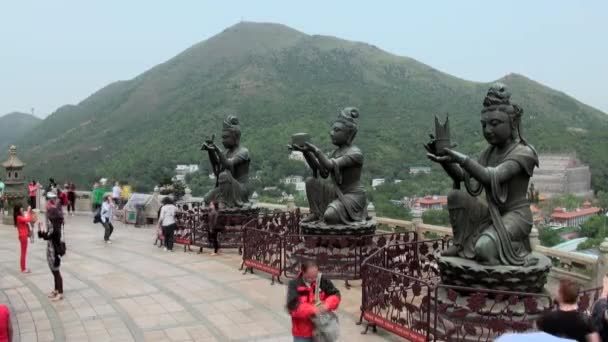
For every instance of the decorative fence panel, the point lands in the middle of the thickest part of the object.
(263, 250)
(464, 314)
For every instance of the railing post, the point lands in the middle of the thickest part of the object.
(534, 240)
(602, 265)
(417, 222)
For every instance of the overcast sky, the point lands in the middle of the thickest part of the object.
(58, 52)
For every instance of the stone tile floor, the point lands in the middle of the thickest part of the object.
(133, 291)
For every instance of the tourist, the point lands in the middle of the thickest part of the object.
(6, 326)
(213, 228)
(107, 212)
(71, 198)
(52, 233)
(52, 187)
(22, 220)
(599, 312)
(116, 191)
(567, 321)
(166, 222)
(33, 190)
(63, 197)
(98, 193)
(1, 198)
(301, 301)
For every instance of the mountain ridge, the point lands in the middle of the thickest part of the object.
(280, 81)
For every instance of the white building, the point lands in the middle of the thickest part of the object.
(377, 182)
(414, 170)
(183, 169)
(292, 180)
(297, 155)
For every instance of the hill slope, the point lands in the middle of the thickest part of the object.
(279, 82)
(13, 126)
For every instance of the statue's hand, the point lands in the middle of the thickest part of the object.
(294, 147)
(308, 147)
(456, 156)
(211, 147)
(430, 146)
(440, 159)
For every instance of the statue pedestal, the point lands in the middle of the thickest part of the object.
(367, 227)
(468, 273)
(479, 303)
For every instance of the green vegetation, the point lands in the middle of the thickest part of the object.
(595, 230)
(436, 217)
(549, 237)
(280, 82)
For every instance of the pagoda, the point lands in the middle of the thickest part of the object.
(14, 182)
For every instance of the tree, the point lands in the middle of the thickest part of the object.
(437, 217)
(602, 200)
(549, 237)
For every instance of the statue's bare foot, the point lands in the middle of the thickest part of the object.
(452, 251)
(310, 218)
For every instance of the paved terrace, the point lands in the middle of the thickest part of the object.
(133, 291)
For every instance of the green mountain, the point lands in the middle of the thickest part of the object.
(280, 81)
(14, 126)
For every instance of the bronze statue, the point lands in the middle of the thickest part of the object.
(231, 168)
(493, 230)
(341, 199)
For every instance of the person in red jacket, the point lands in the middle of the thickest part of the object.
(22, 221)
(301, 301)
(6, 328)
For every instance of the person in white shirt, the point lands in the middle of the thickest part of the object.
(107, 211)
(166, 222)
(116, 191)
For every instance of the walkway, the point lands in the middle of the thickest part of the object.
(133, 291)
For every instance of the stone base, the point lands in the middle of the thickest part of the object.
(469, 273)
(367, 227)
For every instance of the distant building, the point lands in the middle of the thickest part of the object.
(562, 174)
(292, 179)
(377, 182)
(537, 216)
(186, 169)
(561, 217)
(431, 203)
(414, 170)
(397, 181)
(296, 155)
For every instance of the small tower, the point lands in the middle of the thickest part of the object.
(14, 181)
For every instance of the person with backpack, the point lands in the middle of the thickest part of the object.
(55, 245)
(22, 219)
(309, 296)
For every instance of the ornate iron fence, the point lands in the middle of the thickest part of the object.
(464, 314)
(398, 283)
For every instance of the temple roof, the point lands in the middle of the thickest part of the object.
(13, 161)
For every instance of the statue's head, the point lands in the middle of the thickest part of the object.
(344, 129)
(499, 117)
(231, 132)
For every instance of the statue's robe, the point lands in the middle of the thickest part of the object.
(343, 191)
(504, 214)
(233, 190)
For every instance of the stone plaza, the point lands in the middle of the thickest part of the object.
(133, 291)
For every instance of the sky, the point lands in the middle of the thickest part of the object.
(54, 53)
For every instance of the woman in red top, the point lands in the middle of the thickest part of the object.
(6, 328)
(21, 222)
(301, 301)
(33, 189)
